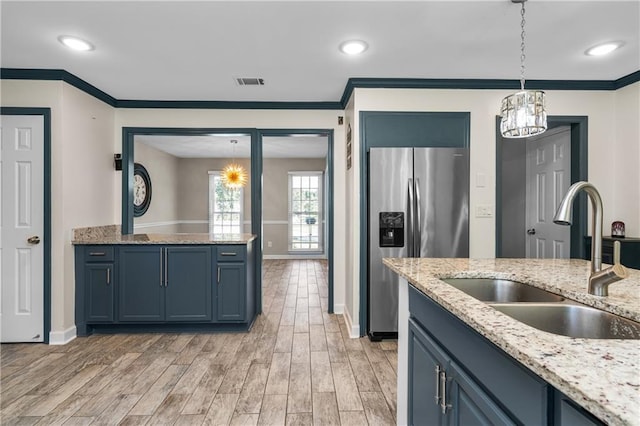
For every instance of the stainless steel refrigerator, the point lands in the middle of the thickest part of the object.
(418, 207)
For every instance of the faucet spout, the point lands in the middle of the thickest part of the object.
(599, 280)
(564, 212)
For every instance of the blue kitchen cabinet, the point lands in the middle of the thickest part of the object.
(99, 277)
(425, 363)
(567, 413)
(440, 392)
(141, 284)
(231, 283)
(452, 365)
(153, 287)
(188, 283)
(99, 291)
(165, 284)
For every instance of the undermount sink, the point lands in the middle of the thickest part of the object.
(501, 291)
(547, 311)
(572, 320)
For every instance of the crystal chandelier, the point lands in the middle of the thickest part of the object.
(234, 175)
(523, 113)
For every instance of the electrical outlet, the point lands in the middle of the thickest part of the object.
(269, 243)
(484, 210)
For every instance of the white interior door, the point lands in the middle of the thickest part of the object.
(548, 179)
(22, 228)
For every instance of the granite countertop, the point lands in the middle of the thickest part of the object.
(603, 376)
(111, 235)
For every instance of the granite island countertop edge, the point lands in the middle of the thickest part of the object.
(609, 388)
(182, 239)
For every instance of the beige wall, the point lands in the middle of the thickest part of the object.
(82, 178)
(86, 133)
(624, 167)
(275, 199)
(162, 214)
(352, 226)
(611, 139)
(193, 195)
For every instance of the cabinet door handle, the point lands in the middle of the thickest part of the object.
(97, 253)
(108, 276)
(166, 269)
(161, 277)
(218, 275)
(226, 253)
(437, 395)
(443, 385)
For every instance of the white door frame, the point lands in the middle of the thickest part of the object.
(46, 115)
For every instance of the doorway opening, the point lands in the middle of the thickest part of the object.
(297, 202)
(532, 176)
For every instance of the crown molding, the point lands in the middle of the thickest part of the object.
(352, 83)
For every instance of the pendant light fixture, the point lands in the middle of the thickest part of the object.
(523, 113)
(234, 176)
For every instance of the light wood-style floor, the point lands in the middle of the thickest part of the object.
(296, 366)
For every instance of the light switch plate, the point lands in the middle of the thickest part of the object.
(484, 210)
(481, 180)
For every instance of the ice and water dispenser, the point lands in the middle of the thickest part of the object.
(391, 229)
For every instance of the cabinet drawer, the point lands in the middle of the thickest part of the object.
(99, 253)
(231, 253)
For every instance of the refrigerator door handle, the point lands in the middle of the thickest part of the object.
(418, 220)
(410, 213)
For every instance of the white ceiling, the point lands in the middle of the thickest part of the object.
(220, 146)
(179, 50)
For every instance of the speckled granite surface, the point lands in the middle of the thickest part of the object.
(111, 235)
(603, 376)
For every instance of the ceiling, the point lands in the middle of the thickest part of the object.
(164, 50)
(220, 146)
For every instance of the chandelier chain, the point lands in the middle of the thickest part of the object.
(522, 55)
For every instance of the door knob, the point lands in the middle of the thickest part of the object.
(33, 240)
(531, 231)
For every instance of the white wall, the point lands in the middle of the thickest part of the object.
(624, 168)
(82, 178)
(605, 145)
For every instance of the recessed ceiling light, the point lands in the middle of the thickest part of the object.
(603, 49)
(353, 47)
(75, 43)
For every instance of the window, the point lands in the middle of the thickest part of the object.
(225, 207)
(305, 211)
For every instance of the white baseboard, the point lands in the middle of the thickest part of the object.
(62, 337)
(293, 256)
(338, 308)
(354, 329)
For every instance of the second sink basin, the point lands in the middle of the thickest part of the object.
(501, 291)
(572, 320)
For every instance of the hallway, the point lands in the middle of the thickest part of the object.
(296, 366)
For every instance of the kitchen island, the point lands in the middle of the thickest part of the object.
(567, 378)
(163, 282)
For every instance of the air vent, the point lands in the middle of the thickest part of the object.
(249, 81)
